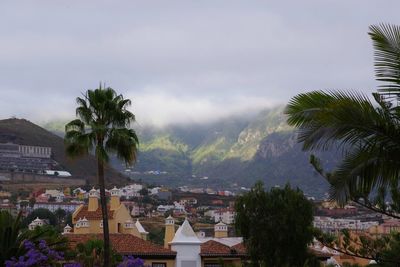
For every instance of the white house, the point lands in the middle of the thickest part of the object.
(164, 208)
(53, 206)
(187, 246)
(226, 215)
(35, 223)
(58, 195)
(333, 225)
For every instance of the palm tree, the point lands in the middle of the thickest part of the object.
(103, 124)
(90, 252)
(368, 133)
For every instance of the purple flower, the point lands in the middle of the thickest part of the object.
(40, 255)
(130, 261)
(75, 264)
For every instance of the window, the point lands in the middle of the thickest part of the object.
(189, 264)
(158, 264)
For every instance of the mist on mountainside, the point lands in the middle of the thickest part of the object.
(233, 151)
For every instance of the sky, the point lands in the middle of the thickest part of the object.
(182, 61)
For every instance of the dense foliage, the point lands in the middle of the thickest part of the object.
(369, 134)
(276, 226)
(13, 236)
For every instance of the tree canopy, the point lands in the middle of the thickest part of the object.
(276, 225)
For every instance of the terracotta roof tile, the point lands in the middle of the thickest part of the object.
(94, 215)
(240, 248)
(214, 248)
(125, 244)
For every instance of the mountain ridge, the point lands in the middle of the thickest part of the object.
(24, 132)
(232, 151)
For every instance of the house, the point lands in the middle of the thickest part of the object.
(188, 201)
(164, 208)
(333, 225)
(126, 237)
(87, 219)
(134, 208)
(387, 227)
(36, 223)
(53, 206)
(181, 248)
(127, 244)
(195, 251)
(131, 190)
(226, 215)
(5, 194)
(58, 195)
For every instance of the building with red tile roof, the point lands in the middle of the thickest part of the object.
(127, 244)
(214, 249)
(87, 219)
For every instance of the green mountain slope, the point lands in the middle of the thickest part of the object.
(234, 151)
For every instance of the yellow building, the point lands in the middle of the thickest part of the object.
(169, 231)
(129, 238)
(126, 237)
(87, 219)
(387, 227)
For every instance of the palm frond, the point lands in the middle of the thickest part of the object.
(324, 118)
(364, 169)
(124, 142)
(83, 111)
(77, 141)
(386, 42)
(369, 135)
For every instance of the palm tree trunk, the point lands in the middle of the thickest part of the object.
(103, 203)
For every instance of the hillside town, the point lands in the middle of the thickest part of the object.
(199, 224)
(200, 133)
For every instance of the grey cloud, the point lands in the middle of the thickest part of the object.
(207, 53)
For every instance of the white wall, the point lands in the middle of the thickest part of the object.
(187, 255)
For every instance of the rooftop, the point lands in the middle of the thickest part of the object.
(124, 244)
(185, 235)
(94, 215)
(214, 248)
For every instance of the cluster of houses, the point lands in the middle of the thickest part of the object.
(175, 203)
(182, 246)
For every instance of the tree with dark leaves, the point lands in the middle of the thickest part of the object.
(276, 226)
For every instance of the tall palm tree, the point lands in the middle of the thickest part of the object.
(368, 133)
(103, 124)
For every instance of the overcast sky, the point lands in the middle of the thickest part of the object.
(182, 60)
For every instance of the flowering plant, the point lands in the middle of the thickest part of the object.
(130, 261)
(36, 255)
